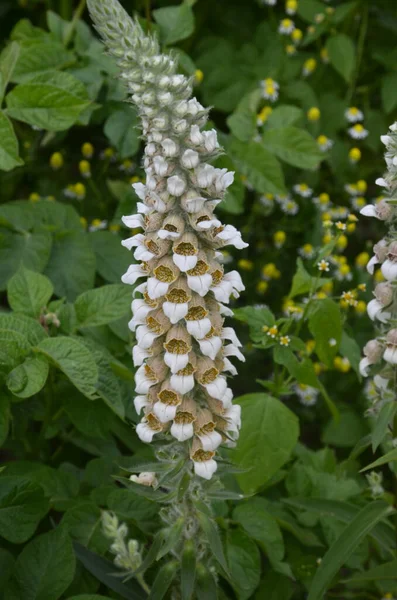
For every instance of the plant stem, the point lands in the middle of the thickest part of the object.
(143, 583)
(360, 51)
(77, 15)
(148, 14)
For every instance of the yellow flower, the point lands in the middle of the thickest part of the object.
(262, 287)
(270, 271)
(245, 265)
(349, 298)
(323, 265)
(362, 287)
(96, 223)
(290, 49)
(355, 155)
(352, 218)
(378, 277)
(309, 66)
(362, 259)
(279, 238)
(83, 221)
(351, 228)
(134, 179)
(79, 190)
(310, 345)
(114, 228)
(198, 76)
(341, 226)
(56, 161)
(313, 114)
(285, 340)
(108, 152)
(321, 295)
(327, 287)
(85, 168)
(34, 197)
(344, 270)
(342, 364)
(362, 186)
(360, 307)
(264, 114)
(342, 242)
(327, 238)
(318, 368)
(273, 331)
(291, 6)
(296, 36)
(324, 55)
(87, 150)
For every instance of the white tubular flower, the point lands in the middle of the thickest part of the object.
(178, 321)
(382, 309)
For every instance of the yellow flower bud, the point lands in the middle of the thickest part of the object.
(34, 197)
(262, 287)
(56, 161)
(80, 190)
(355, 155)
(85, 168)
(279, 238)
(87, 150)
(198, 76)
(245, 265)
(313, 114)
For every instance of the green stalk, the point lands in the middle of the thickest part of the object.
(360, 52)
(76, 17)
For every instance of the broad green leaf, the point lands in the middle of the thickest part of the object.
(38, 58)
(103, 305)
(283, 116)
(244, 562)
(259, 166)
(52, 101)
(176, 22)
(269, 434)
(74, 360)
(121, 129)
(383, 460)
(344, 546)
(28, 378)
(8, 60)
(383, 533)
(9, 152)
(129, 505)
(29, 328)
(351, 350)
(294, 146)
(104, 571)
(89, 597)
(29, 292)
(22, 506)
(275, 587)
(71, 266)
(5, 414)
(32, 249)
(242, 122)
(383, 420)
(13, 348)
(379, 573)
(308, 9)
(45, 568)
(254, 517)
(303, 282)
(257, 318)
(342, 54)
(112, 260)
(388, 91)
(24, 30)
(325, 324)
(7, 562)
(345, 433)
(84, 523)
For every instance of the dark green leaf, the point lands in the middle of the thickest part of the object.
(29, 292)
(9, 151)
(103, 305)
(29, 377)
(294, 146)
(176, 22)
(188, 570)
(383, 420)
(260, 167)
(342, 54)
(244, 562)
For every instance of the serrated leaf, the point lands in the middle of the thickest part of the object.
(259, 166)
(269, 434)
(340, 551)
(29, 292)
(51, 101)
(294, 146)
(40, 57)
(9, 151)
(103, 305)
(74, 360)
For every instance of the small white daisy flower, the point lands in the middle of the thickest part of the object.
(354, 115)
(358, 132)
(302, 189)
(286, 26)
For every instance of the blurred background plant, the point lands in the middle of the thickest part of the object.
(301, 92)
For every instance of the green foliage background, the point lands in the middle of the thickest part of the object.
(66, 397)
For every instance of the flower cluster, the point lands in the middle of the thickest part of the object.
(382, 350)
(183, 349)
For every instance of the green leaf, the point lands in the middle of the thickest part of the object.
(381, 429)
(32, 249)
(215, 542)
(303, 282)
(7, 562)
(5, 415)
(275, 587)
(176, 22)
(257, 318)
(8, 59)
(29, 328)
(28, 378)
(244, 562)
(260, 167)
(383, 533)
(172, 537)
(383, 460)
(388, 91)
(379, 573)
(269, 434)
(206, 588)
(342, 54)
(188, 570)
(129, 505)
(9, 151)
(40, 57)
(52, 101)
(325, 324)
(103, 305)
(164, 578)
(122, 130)
(22, 506)
(345, 433)
(254, 517)
(351, 350)
(84, 523)
(294, 146)
(71, 267)
(345, 544)
(29, 292)
(89, 597)
(283, 116)
(13, 348)
(74, 360)
(104, 571)
(45, 568)
(112, 260)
